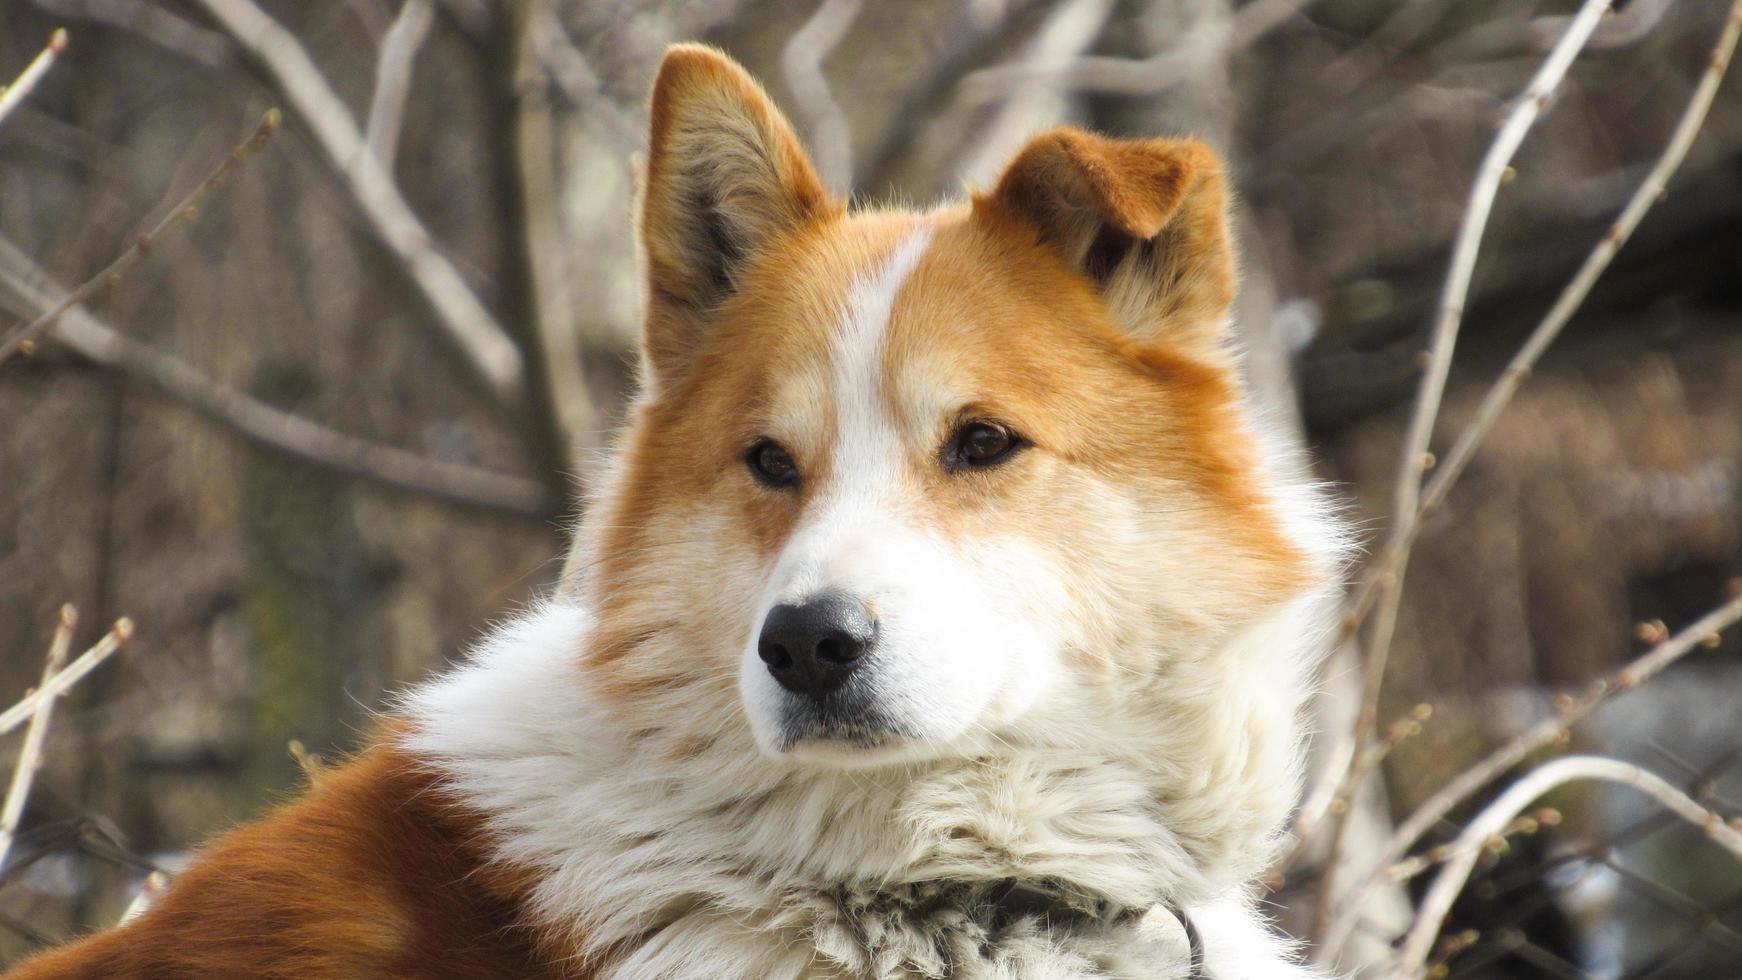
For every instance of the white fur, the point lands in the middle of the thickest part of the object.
(710, 851)
(741, 865)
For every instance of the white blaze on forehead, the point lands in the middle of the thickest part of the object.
(866, 443)
(934, 673)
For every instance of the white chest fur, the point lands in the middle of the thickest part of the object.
(729, 865)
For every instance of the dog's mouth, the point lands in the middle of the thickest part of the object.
(844, 726)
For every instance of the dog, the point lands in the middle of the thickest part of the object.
(943, 612)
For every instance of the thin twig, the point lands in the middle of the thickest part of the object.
(135, 253)
(1569, 712)
(1628, 26)
(1324, 795)
(557, 368)
(1650, 191)
(461, 315)
(12, 96)
(1068, 29)
(150, 22)
(1415, 459)
(1496, 816)
(156, 883)
(27, 288)
(63, 681)
(831, 139)
(393, 78)
(1143, 76)
(1328, 796)
(1394, 557)
(30, 754)
(1411, 867)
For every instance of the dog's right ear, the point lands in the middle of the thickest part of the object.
(725, 178)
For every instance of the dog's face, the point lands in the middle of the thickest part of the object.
(910, 484)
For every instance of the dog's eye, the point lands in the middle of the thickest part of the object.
(771, 464)
(980, 443)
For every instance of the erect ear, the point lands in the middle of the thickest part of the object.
(1145, 220)
(725, 177)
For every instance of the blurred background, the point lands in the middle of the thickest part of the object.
(464, 302)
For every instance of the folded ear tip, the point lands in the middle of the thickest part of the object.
(1156, 180)
(1136, 185)
(1094, 198)
(1199, 157)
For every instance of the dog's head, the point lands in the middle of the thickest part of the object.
(908, 484)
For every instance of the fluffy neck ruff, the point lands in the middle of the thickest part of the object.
(722, 856)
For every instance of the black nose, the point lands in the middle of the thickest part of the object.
(810, 648)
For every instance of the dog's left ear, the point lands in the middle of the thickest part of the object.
(1145, 220)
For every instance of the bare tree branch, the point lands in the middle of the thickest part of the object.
(1068, 30)
(30, 754)
(1495, 817)
(831, 140)
(264, 424)
(207, 49)
(1416, 865)
(1394, 556)
(393, 78)
(156, 883)
(135, 253)
(461, 315)
(1627, 26)
(1650, 191)
(1500, 395)
(558, 360)
(576, 79)
(1551, 730)
(1144, 76)
(62, 681)
(1415, 459)
(1517, 33)
(12, 96)
(1330, 796)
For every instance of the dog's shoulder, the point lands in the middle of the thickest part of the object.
(374, 871)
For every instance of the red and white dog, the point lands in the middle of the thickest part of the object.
(942, 615)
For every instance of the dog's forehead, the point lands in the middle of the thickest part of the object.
(906, 319)
(988, 314)
(814, 319)
(791, 305)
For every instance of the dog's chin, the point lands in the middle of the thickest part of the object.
(854, 752)
(841, 736)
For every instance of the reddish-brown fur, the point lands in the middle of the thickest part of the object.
(372, 873)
